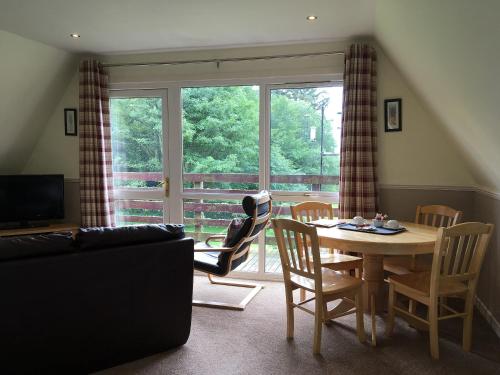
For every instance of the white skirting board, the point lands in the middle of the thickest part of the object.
(495, 325)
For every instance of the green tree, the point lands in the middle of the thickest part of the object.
(220, 132)
(136, 134)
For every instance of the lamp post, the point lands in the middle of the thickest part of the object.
(323, 104)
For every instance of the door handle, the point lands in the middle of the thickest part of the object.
(166, 186)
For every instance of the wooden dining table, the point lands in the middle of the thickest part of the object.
(417, 239)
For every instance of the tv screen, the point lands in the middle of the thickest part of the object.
(26, 198)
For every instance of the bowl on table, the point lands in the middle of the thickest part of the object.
(358, 221)
(393, 224)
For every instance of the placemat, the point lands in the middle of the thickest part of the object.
(325, 223)
(371, 229)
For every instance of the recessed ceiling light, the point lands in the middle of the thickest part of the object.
(74, 35)
(311, 18)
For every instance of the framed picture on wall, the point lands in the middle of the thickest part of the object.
(70, 122)
(393, 115)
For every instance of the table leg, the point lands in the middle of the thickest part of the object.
(373, 275)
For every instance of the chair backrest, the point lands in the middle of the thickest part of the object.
(258, 207)
(437, 216)
(459, 254)
(309, 211)
(299, 249)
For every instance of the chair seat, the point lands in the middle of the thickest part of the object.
(333, 282)
(340, 262)
(208, 262)
(403, 264)
(419, 282)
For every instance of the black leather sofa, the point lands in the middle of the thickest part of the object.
(109, 297)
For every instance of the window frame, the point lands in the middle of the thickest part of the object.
(172, 122)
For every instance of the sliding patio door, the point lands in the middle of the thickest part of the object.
(139, 147)
(194, 162)
(303, 127)
(220, 131)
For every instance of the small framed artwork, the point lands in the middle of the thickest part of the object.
(70, 121)
(393, 115)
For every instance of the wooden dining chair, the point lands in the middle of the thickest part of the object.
(457, 260)
(309, 211)
(433, 215)
(301, 266)
(337, 261)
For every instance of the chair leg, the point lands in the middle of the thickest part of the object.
(443, 301)
(289, 313)
(467, 331)
(390, 308)
(412, 306)
(373, 310)
(325, 315)
(302, 295)
(318, 324)
(360, 324)
(433, 329)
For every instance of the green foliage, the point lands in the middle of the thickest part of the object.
(137, 134)
(220, 130)
(221, 133)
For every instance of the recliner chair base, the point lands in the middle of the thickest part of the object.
(256, 288)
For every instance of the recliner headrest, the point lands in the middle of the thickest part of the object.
(250, 203)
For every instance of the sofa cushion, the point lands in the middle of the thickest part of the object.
(101, 237)
(35, 245)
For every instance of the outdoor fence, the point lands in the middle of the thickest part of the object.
(148, 211)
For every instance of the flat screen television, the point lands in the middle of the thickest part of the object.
(28, 199)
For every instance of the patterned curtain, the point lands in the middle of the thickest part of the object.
(358, 166)
(96, 176)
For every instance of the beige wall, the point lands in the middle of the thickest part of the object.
(55, 152)
(33, 76)
(422, 154)
(448, 50)
(307, 66)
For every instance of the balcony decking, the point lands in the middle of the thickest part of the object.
(273, 261)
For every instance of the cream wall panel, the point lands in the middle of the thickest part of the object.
(33, 76)
(423, 153)
(55, 152)
(449, 52)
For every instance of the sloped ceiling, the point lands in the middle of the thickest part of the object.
(449, 50)
(132, 25)
(33, 77)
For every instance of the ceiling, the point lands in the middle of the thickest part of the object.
(113, 26)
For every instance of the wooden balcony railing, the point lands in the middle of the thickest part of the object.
(195, 211)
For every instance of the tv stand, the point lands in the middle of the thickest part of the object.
(25, 225)
(52, 228)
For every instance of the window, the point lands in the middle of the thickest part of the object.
(137, 142)
(220, 144)
(220, 130)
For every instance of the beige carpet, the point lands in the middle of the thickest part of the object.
(253, 342)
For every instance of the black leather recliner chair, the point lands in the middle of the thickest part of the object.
(219, 260)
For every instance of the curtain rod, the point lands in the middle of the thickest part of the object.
(231, 59)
